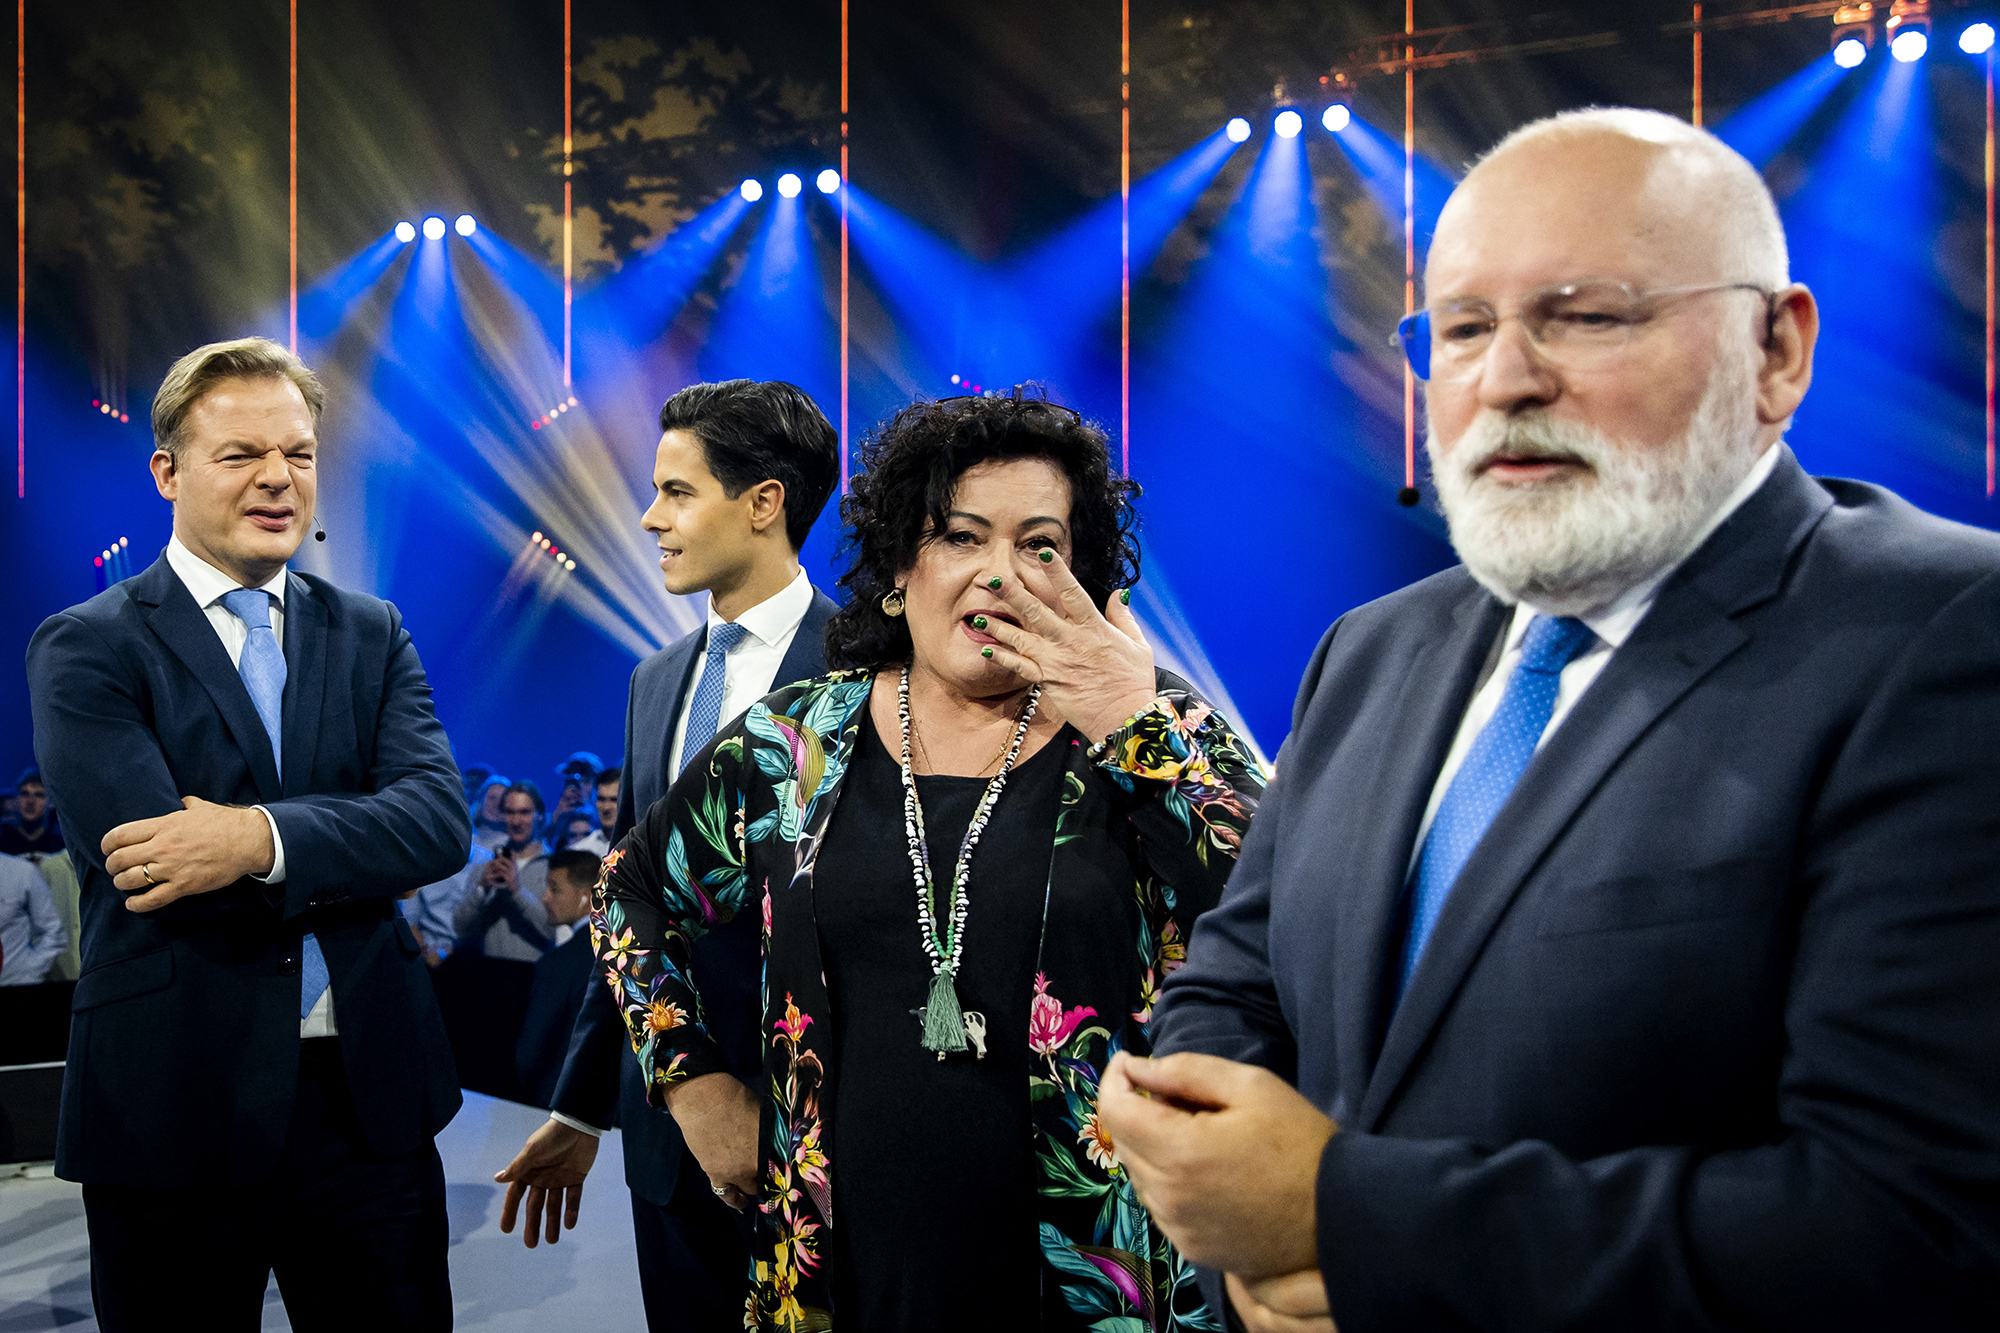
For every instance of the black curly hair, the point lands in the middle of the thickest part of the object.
(912, 464)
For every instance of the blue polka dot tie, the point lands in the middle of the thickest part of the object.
(262, 667)
(1500, 754)
(705, 710)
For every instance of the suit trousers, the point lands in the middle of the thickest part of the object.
(694, 1257)
(357, 1240)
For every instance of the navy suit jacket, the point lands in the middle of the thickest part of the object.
(600, 1082)
(560, 977)
(184, 1038)
(1708, 1033)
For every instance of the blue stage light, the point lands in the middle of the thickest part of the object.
(1238, 129)
(1851, 52)
(465, 226)
(829, 181)
(789, 185)
(434, 229)
(752, 190)
(1909, 46)
(1288, 124)
(1976, 40)
(405, 232)
(1337, 118)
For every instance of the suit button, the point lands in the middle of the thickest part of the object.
(290, 967)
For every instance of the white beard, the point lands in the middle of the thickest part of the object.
(1572, 545)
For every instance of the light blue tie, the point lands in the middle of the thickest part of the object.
(1500, 754)
(262, 667)
(705, 710)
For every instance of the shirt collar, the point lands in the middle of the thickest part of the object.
(1615, 623)
(205, 582)
(777, 615)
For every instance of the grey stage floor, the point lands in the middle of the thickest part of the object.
(589, 1280)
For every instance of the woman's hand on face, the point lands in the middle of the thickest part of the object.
(719, 1118)
(1095, 668)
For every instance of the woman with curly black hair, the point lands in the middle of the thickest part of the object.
(922, 1145)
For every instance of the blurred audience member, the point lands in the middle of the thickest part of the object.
(566, 831)
(7, 806)
(60, 874)
(489, 827)
(474, 777)
(599, 840)
(432, 910)
(578, 774)
(33, 833)
(502, 916)
(31, 932)
(560, 976)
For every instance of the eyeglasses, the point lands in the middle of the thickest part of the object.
(1575, 324)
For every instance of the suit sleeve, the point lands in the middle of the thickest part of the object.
(94, 737)
(1879, 1207)
(409, 829)
(1198, 787)
(680, 872)
(1223, 1001)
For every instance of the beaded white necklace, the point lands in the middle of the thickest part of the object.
(944, 1022)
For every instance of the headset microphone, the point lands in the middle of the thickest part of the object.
(319, 533)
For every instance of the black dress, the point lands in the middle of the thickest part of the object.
(934, 1175)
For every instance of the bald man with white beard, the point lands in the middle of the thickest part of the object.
(1616, 947)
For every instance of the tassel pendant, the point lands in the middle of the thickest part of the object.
(944, 1022)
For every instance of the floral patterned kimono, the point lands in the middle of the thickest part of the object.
(1151, 819)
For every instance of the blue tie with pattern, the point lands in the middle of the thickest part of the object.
(705, 709)
(1500, 754)
(262, 667)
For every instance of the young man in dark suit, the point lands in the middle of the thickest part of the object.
(250, 771)
(1626, 907)
(742, 471)
(560, 974)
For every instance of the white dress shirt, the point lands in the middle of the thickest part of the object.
(1613, 625)
(751, 668)
(207, 585)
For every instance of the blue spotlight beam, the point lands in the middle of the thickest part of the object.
(1378, 160)
(326, 302)
(1760, 128)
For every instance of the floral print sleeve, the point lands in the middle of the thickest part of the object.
(678, 873)
(1198, 784)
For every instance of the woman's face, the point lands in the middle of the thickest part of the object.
(1004, 514)
(489, 802)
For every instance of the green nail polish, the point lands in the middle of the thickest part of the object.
(1048, 556)
(986, 652)
(1125, 596)
(979, 622)
(993, 583)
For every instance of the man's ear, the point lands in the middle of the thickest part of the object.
(165, 476)
(767, 504)
(1786, 374)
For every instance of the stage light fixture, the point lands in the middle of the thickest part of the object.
(405, 232)
(752, 190)
(465, 226)
(1853, 33)
(1909, 29)
(789, 185)
(829, 181)
(1337, 118)
(1288, 124)
(1976, 40)
(1238, 129)
(434, 229)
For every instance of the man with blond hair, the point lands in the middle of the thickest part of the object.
(247, 765)
(1615, 949)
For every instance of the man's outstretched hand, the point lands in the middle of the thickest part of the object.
(549, 1170)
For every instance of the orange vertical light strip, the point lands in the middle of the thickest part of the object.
(292, 281)
(569, 228)
(1989, 271)
(843, 248)
(1125, 238)
(1409, 240)
(1697, 65)
(21, 248)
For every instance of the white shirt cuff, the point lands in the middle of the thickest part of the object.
(277, 875)
(576, 1124)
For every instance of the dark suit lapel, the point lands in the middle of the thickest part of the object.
(1433, 697)
(172, 614)
(671, 684)
(305, 682)
(806, 658)
(1689, 632)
